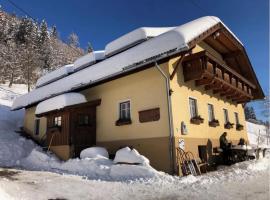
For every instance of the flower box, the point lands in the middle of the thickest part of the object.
(239, 127)
(214, 123)
(196, 120)
(228, 125)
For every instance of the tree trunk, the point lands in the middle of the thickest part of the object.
(11, 79)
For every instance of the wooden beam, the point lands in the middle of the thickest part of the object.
(177, 65)
(231, 54)
(203, 81)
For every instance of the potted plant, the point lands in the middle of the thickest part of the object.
(214, 123)
(196, 120)
(239, 127)
(228, 125)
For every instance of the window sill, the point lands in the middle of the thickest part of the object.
(122, 122)
(239, 127)
(213, 123)
(228, 125)
(196, 120)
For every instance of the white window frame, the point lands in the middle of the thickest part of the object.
(236, 117)
(226, 115)
(119, 109)
(211, 115)
(196, 107)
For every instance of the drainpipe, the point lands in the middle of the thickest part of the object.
(169, 114)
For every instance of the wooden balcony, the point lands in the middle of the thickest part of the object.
(215, 75)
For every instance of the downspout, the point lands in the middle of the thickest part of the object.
(171, 146)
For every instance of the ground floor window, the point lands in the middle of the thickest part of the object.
(226, 116)
(236, 118)
(57, 121)
(37, 124)
(125, 110)
(193, 107)
(83, 120)
(211, 114)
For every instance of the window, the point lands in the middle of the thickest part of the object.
(226, 117)
(193, 107)
(211, 114)
(83, 120)
(236, 118)
(37, 123)
(57, 121)
(124, 110)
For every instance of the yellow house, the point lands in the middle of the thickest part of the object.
(152, 89)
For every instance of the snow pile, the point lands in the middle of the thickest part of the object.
(55, 75)
(170, 42)
(88, 59)
(94, 152)
(133, 38)
(257, 135)
(59, 102)
(7, 94)
(126, 155)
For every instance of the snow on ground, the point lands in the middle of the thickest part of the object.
(247, 180)
(100, 178)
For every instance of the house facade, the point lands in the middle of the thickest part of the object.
(187, 86)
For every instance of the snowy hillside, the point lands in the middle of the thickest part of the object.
(30, 173)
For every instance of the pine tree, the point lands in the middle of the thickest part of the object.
(89, 48)
(54, 32)
(250, 113)
(73, 40)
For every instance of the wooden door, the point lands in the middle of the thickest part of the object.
(83, 133)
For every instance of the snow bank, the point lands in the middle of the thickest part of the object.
(133, 38)
(59, 102)
(55, 75)
(88, 59)
(94, 152)
(257, 135)
(162, 45)
(126, 155)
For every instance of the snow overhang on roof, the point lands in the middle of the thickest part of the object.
(164, 45)
(59, 102)
(133, 38)
(55, 75)
(89, 59)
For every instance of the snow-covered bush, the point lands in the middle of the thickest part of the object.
(126, 155)
(94, 152)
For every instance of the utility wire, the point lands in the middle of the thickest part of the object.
(29, 15)
(21, 9)
(204, 11)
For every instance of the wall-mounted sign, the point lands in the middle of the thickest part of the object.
(183, 128)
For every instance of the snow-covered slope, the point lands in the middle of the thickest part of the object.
(258, 135)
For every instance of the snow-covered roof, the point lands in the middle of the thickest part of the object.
(88, 59)
(164, 45)
(54, 75)
(59, 102)
(133, 38)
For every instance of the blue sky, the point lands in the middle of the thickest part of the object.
(101, 21)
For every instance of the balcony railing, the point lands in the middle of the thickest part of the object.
(215, 75)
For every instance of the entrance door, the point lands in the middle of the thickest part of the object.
(83, 133)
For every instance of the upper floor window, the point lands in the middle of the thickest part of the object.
(193, 107)
(211, 114)
(236, 118)
(226, 116)
(124, 110)
(57, 121)
(37, 124)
